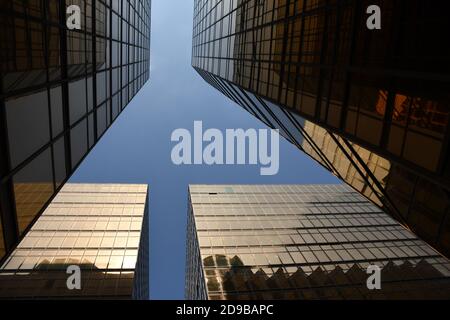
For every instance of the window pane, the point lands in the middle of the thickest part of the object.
(28, 125)
(33, 187)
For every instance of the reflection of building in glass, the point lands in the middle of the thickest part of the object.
(60, 90)
(384, 93)
(303, 242)
(102, 228)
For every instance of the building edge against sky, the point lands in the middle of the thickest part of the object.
(65, 87)
(372, 107)
(101, 228)
(302, 242)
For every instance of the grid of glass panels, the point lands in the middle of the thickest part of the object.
(195, 284)
(267, 241)
(60, 90)
(141, 286)
(320, 60)
(287, 61)
(415, 200)
(94, 226)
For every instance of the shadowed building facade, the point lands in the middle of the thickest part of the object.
(101, 228)
(60, 90)
(303, 242)
(372, 107)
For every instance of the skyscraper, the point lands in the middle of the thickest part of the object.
(60, 89)
(100, 228)
(371, 106)
(303, 242)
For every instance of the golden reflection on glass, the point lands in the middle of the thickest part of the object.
(36, 104)
(344, 167)
(30, 198)
(96, 227)
(317, 62)
(303, 242)
(298, 58)
(419, 202)
(242, 282)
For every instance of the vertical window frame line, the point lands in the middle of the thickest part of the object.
(94, 69)
(110, 39)
(86, 74)
(10, 226)
(333, 62)
(45, 9)
(64, 86)
(286, 21)
(300, 50)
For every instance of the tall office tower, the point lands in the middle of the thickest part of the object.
(303, 242)
(60, 89)
(100, 228)
(371, 106)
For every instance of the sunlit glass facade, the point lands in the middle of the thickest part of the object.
(60, 90)
(101, 228)
(303, 242)
(370, 106)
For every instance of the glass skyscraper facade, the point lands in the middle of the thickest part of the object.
(60, 90)
(102, 229)
(371, 106)
(303, 242)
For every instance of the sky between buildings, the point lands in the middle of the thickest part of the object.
(137, 147)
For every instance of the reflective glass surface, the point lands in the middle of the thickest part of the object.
(94, 226)
(303, 242)
(55, 94)
(370, 106)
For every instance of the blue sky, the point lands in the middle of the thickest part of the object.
(137, 147)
